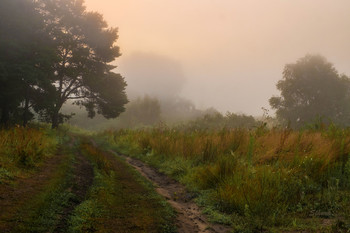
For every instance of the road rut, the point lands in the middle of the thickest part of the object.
(189, 219)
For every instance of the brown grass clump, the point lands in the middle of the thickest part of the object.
(23, 148)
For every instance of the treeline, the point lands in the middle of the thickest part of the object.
(52, 51)
(140, 112)
(180, 113)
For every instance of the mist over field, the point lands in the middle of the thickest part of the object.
(156, 75)
(174, 116)
(232, 52)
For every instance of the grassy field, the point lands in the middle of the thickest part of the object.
(255, 180)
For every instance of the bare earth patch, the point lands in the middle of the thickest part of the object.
(189, 219)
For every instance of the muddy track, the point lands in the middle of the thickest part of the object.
(13, 197)
(189, 219)
(83, 176)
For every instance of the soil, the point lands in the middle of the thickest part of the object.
(83, 176)
(14, 196)
(189, 218)
(130, 205)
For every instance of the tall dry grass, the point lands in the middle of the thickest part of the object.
(267, 174)
(23, 148)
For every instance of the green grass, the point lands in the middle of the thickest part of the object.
(42, 211)
(262, 179)
(120, 200)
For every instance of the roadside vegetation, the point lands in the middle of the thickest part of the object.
(254, 179)
(23, 149)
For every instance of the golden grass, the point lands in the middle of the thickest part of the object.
(22, 148)
(261, 173)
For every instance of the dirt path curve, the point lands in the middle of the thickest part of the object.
(189, 219)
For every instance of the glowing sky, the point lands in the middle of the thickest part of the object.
(230, 53)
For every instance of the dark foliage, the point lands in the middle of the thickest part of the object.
(52, 51)
(312, 89)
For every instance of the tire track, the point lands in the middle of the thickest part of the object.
(83, 176)
(14, 197)
(189, 219)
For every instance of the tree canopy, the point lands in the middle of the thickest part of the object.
(24, 58)
(53, 51)
(312, 88)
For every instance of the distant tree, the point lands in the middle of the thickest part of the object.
(215, 120)
(312, 88)
(233, 120)
(178, 109)
(141, 112)
(85, 46)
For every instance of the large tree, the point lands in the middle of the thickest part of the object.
(312, 88)
(24, 56)
(85, 46)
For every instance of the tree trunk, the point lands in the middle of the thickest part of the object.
(55, 119)
(26, 108)
(56, 116)
(5, 116)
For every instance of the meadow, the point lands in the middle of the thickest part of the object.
(255, 179)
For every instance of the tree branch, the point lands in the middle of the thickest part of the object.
(77, 97)
(69, 86)
(72, 90)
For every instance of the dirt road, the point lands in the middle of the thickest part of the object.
(189, 217)
(84, 188)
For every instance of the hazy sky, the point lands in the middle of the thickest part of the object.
(229, 54)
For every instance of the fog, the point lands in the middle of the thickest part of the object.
(153, 75)
(227, 54)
